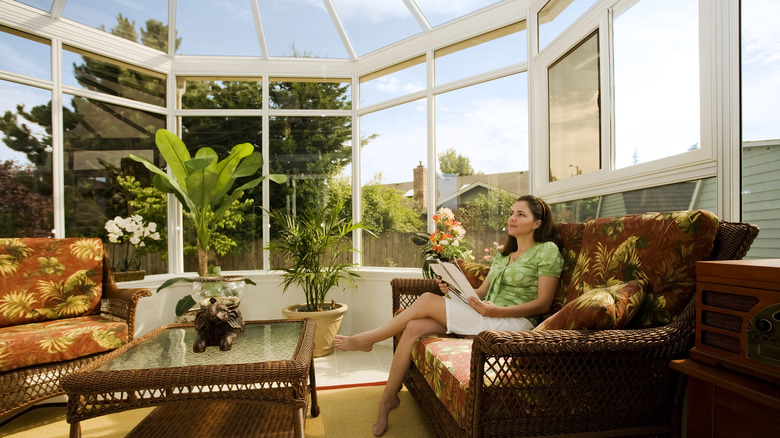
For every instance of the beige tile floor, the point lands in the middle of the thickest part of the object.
(354, 367)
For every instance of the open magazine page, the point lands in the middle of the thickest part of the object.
(451, 274)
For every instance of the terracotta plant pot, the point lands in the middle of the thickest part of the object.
(328, 324)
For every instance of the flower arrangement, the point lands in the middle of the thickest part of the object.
(446, 242)
(491, 253)
(132, 231)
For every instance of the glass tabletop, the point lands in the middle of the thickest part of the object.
(172, 347)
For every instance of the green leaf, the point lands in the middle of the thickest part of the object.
(184, 305)
(172, 281)
(278, 178)
(174, 152)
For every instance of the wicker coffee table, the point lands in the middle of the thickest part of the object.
(259, 388)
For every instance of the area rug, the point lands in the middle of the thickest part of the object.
(344, 412)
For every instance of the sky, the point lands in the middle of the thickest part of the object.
(483, 122)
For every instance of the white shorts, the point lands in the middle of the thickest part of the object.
(462, 319)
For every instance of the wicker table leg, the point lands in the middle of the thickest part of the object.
(75, 430)
(315, 405)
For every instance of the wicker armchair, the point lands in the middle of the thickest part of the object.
(571, 382)
(24, 387)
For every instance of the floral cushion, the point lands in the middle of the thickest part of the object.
(445, 363)
(571, 242)
(659, 248)
(610, 307)
(475, 273)
(46, 279)
(55, 341)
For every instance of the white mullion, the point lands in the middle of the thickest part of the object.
(175, 213)
(357, 198)
(266, 151)
(57, 7)
(431, 138)
(418, 15)
(259, 26)
(334, 16)
(58, 142)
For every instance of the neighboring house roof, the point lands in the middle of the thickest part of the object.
(448, 185)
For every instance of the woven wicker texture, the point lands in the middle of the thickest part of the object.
(567, 382)
(101, 388)
(24, 387)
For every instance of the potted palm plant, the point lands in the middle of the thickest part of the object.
(315, 244)
(204, 186)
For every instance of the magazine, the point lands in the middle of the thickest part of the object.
(451, 274)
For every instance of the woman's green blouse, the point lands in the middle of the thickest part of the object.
(518, 283)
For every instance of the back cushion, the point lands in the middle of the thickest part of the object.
(571, 242)
(46, 279)
(659, 248)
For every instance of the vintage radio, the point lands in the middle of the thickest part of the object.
(738, 316)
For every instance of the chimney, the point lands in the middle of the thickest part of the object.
(420, 186)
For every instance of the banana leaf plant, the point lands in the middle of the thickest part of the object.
(204, 186)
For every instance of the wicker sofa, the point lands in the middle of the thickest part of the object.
(609, 375)
(59, 310)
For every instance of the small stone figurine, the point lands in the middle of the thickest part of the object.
(217, 324)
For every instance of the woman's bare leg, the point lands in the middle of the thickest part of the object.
(400, 365)
(427, 306)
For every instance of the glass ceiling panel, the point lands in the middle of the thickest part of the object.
(23, 54)
(300, 28)
(441, 11)
(557, 15)
(141, 21)
(40, 4)
(375, 24)
(224, 28)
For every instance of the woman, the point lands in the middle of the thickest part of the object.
(521, 285)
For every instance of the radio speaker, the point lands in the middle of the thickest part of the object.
(738, 328)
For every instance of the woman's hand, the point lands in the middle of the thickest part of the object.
(484, 308)
(443, 286)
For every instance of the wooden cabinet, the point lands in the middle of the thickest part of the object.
(725, 403)
(734, 369)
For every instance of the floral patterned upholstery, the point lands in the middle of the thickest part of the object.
(47, 279)
(659, 248)
(610, 307)
(59, 340)
(444, 361)
(49, 290)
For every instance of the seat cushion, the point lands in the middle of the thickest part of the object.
(604, 308)
(46, 279)
(659, 248)
(56, 341)
(445, 363)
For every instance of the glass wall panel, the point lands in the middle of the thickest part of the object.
(26, 186)
(300, 28)
(557, 15)
(298, 93)
(482, 151)
(574, 111)
(394, 183)
(225, 28)
(92, 72)
(656, 64)
(489, 51)
(316, 155)
(101, 183)
(120, 17)
(760, 94)
(398, 80)
(439, 12)
(375, 24)
(237, 239)
(698, 194)
(24, 54)
(202, 93)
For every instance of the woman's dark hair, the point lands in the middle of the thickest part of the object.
(545, 233)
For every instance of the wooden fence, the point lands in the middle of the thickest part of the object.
(385, 250)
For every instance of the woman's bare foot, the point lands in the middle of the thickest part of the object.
(352, 343)
(384, 411)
